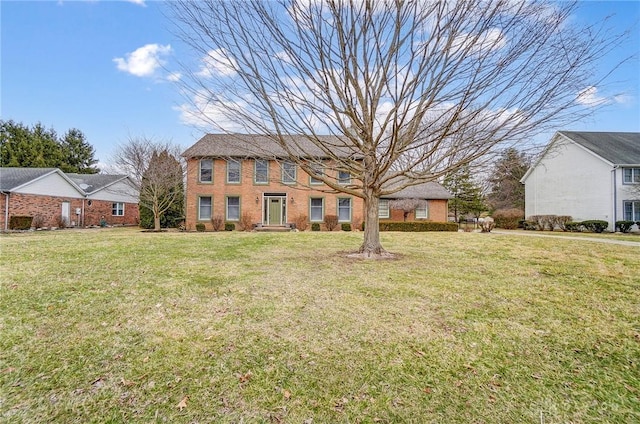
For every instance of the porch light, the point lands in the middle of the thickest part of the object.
(292, 201)
(257, 199)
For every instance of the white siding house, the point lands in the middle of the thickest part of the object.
(586, 175)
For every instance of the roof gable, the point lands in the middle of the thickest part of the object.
(90, 183)
(618, 148)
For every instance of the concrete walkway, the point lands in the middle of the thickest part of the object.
(594, 239)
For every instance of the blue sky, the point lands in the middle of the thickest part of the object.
(108, 69)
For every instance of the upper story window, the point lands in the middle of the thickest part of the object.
(233, 171)
(261, 171)
(289, 172)
(631, 175)
(318, 170)
(383, 208)
(206, 170)
(344, 177)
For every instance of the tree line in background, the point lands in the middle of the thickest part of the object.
(40, 147)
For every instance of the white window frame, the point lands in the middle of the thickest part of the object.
(635, 210)
(383, 208)
(227, 208)
(633, 174)
(420, 209)
(201, 168)
(340, 207)
(117, 209)
(264, 162)
(229, 171)
(200, 216)
(286, 176)
(311, 208)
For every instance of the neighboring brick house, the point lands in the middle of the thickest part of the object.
(80, 200)
(229, 176)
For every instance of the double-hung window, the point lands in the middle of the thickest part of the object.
(316, 209)
(233, 171)
(344, 210)
(422, 211)
(288, 171)
(631, 210)
(205, 205)
(261, 171)
(383, 208)
(206, 171)
(344, 178)
(117, 209)
(631, 175)
(318, 170)
(233, 208)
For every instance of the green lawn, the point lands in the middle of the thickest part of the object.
(116, 325)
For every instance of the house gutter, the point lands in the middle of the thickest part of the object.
(615, 196)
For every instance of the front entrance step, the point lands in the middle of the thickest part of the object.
(273, 228)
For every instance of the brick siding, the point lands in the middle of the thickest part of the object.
(50, 209)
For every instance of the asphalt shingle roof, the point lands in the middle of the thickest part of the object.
(249, 145)
(430, 190)
(10, 178)
(93, 182)
(619, 148)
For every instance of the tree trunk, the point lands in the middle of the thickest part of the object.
(371, 247)
(156, 220)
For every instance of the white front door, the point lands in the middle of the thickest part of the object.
(66, 212)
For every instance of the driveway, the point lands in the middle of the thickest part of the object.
(594, 239)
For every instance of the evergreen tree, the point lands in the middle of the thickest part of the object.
(39, 147)
(506, 190)
(467, 194)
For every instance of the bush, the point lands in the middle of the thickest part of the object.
(529, 225)
(200, 227)
(487, 224)
(624, 226)
(331, 221)
(19, 222)
(229, 226)
(418, 226)
(561, 221)
(61, 222)
(301, 221)
(509, 219)
(38, 221)
(315, 226)
(217, 222)
(595, 225)
(346, 226)
(246, 222)
(548, 222)
(573, 226)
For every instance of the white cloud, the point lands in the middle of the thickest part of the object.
(144, 61)
(589, 97)
(139, 2)
(217, 62)
(174, 76)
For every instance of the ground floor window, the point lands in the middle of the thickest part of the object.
(421, 211)
(344, 210)
(316, 209)
(233, 208)
(632, 210)
(204, 208)
(383, 208)
(117, 209)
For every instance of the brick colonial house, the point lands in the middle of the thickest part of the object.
(80, 199)
(229, 176)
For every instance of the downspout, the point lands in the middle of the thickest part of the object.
(615, 198)
(6, 210)
(82, 216)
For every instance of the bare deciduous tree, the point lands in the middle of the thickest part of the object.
(413, 89)
(407, 205)
(157, 172)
